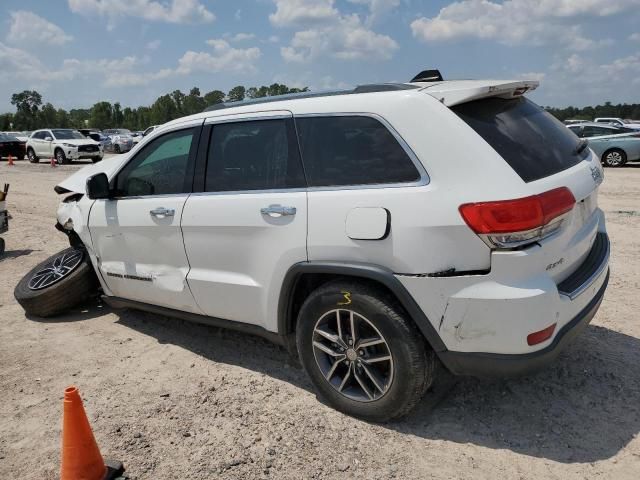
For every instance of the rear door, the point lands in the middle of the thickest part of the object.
(248, 224)
(137, 234)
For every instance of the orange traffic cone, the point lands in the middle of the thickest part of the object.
(53, 162)
(10, 161)
(81, 458)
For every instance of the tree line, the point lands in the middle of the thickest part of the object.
(621, 110)
(32, 114)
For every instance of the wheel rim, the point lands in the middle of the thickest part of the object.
(31, 155)
(60, 158)
(352, 355)
(614, 158)
(55, 270)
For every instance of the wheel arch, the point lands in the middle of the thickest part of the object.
(304, 277)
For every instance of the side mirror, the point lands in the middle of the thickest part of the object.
(98, 186)
(48, 139)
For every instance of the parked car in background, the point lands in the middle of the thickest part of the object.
(137, 136)
(22, 136)
(574, 121)
(121, 139)
(613, 145)
(10, 145)
(64, 144)
(619, 122)
(149, 130)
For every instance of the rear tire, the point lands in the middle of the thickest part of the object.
(31, 155)
(116, 148)
(614, 158)
(74, 287)
(343, 371)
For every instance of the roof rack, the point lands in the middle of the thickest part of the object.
(369, 88)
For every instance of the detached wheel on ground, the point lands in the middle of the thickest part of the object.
(59, 283)
(363, 353)
(31, 155)
(614, 157)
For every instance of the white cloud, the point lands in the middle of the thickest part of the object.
(518, 22)
(327, 32)
(29, 28)
(154, 44)
(242, 37)
(635, 37)
(296, 13)
(377, 8)
(175, 11)
(224, 58)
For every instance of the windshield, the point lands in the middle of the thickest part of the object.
(68, 135)
(8, 138)
(530, 140)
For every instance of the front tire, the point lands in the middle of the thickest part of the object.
(614, 158)
(364, 355)
(116, 148)
(31, 155)
(59, 283)
(61, 158)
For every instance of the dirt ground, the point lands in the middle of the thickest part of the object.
(178, 400)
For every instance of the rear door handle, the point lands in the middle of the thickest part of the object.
(162, 212)
(278, 211)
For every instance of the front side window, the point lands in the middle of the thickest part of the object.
(352, 150)
(162, 167)
(253, 155)
(593, 131)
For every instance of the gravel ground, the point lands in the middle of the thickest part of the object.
(178, 400)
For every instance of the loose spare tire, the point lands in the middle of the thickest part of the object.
(59, 283)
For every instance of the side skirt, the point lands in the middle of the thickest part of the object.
(119, 303)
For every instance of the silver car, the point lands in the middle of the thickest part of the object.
(614, 145)
(121, 139)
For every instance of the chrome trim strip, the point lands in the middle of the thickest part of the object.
(594, 275)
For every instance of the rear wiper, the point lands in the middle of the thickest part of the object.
(581, 146)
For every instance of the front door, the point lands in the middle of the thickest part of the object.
(249, 225)
(136, 234)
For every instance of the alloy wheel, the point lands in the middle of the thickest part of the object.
(57, 269)
(352, 355)
(614, 159)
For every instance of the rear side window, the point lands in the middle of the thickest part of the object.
(530, 140)
(253, 155)
(352, 150)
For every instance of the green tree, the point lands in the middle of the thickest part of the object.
(236, 94)
(163, 110)
(193, 103)
(101, 115)
(27, 105)
(48, 117)
(63, 118)
(213, 97)
(116, 115)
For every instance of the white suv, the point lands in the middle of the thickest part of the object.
(63, 144)
(375, 232)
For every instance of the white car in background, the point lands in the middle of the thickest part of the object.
(376, 232)
(22, 136)
(63, 144)
(618, 122)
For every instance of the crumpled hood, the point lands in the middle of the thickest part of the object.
(77, 182)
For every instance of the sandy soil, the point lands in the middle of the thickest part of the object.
(177, 400)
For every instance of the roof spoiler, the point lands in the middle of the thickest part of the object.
(428, 76)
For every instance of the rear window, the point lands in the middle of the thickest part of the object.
(530, 140)
(352, 150)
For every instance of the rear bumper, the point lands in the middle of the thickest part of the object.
(501, 365)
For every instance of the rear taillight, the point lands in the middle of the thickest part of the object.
(514, 223)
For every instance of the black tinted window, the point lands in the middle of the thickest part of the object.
(531, 141)
(352, 150)
(162, 167)
(253, 155)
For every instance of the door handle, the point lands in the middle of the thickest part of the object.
(162, 212)
(278, 211)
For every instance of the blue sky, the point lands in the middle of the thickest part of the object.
(77, 52)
